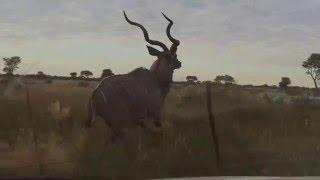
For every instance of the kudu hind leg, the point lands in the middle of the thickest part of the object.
(117, 133)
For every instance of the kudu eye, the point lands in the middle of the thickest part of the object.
(177, 64)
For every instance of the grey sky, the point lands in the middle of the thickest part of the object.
(256, 41)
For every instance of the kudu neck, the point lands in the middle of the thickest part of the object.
(164, 77)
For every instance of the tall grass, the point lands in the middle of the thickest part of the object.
(257, 136)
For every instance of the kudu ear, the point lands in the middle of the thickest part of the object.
(153, 51)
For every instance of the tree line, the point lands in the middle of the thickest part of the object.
(11, 64)
(311, 64)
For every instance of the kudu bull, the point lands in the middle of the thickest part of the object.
(139, 95)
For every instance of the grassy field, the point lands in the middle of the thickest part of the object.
(258, 136)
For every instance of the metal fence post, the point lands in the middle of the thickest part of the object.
(35, 134)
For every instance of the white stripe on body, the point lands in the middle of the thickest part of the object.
(104, 97)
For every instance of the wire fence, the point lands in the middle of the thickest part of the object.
(221, 163)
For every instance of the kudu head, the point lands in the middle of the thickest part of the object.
(167, 60)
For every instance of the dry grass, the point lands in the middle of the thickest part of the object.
(257, 137)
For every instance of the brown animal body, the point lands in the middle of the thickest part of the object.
(127, 99)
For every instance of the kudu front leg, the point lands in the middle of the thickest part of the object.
(157, 132)
(156, 121)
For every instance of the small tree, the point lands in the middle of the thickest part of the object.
(41, 75)
(73, 75)
(285, 81)
(191, 79)
(11, 64)
(312, 64)
(106, 73)
(224, 79)
(86, 73)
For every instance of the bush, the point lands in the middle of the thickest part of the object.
(285, 81)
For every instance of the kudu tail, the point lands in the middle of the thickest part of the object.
(91, 114)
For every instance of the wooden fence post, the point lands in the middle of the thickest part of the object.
(35, 133)
(213, 129)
